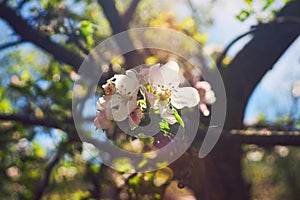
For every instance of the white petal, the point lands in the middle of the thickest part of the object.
(109, 114)
(167, 75)
(170, 65)
(165, 112)
(168, 115)
(121, 111)
(170, 74)
(151, 98)
(103, 102)
(132, 74)
(209, 97)
(185, 97)
(203, 84)
(155, 74)
(126, 85)
(116, 100)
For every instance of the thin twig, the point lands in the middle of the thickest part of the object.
(279, 20)
(40, 191)
(10, 44)
(20, 5)
(223, 55)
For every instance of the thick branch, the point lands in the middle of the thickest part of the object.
(265, 137)
(33, 122)
(255, 59)
(127, 16)
(133, 58)
(27, 33)
(111, 13)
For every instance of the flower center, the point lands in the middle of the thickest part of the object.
(160, 91)
(164, 95)
(109, 88)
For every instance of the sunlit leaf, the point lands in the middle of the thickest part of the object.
(178, 118)
(244, 14)
(163, 176)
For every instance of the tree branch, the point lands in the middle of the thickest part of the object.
(266, 137)
(55, 160)
(34, 122)
(127, 16)
(110, 11)
(10, 44)
(20, 5)
(240, 78)
(255, 59)
(27, 33)
(224, 53)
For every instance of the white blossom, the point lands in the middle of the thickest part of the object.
(164, 82)
(124, 100)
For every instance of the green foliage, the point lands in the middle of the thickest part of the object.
(178, 118)
(262, 10)
(38, 88)
(275, 175)
(87, 29)
(164, 126)
(243, 15)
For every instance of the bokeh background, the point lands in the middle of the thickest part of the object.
(255, 46)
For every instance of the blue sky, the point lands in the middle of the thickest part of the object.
(272, 96)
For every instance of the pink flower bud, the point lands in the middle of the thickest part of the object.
(101, 121)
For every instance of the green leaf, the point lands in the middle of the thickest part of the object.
(244, 14)
(135, 181)
(95, 168)
(249, 2)
(142, 103)
(146, 139)
(164, 126)
(268, 4)
(5, 106)
(178, 118)
(87, 29)
(39, 151)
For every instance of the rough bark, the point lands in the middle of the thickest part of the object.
(248, 67)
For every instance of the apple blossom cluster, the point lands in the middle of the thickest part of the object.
(130, 96)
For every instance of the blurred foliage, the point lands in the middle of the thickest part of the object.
(272, 172)
(261, 10)
(38, 88)
(49, 160)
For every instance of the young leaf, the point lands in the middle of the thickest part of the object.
(164, 126)
(178, 118)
